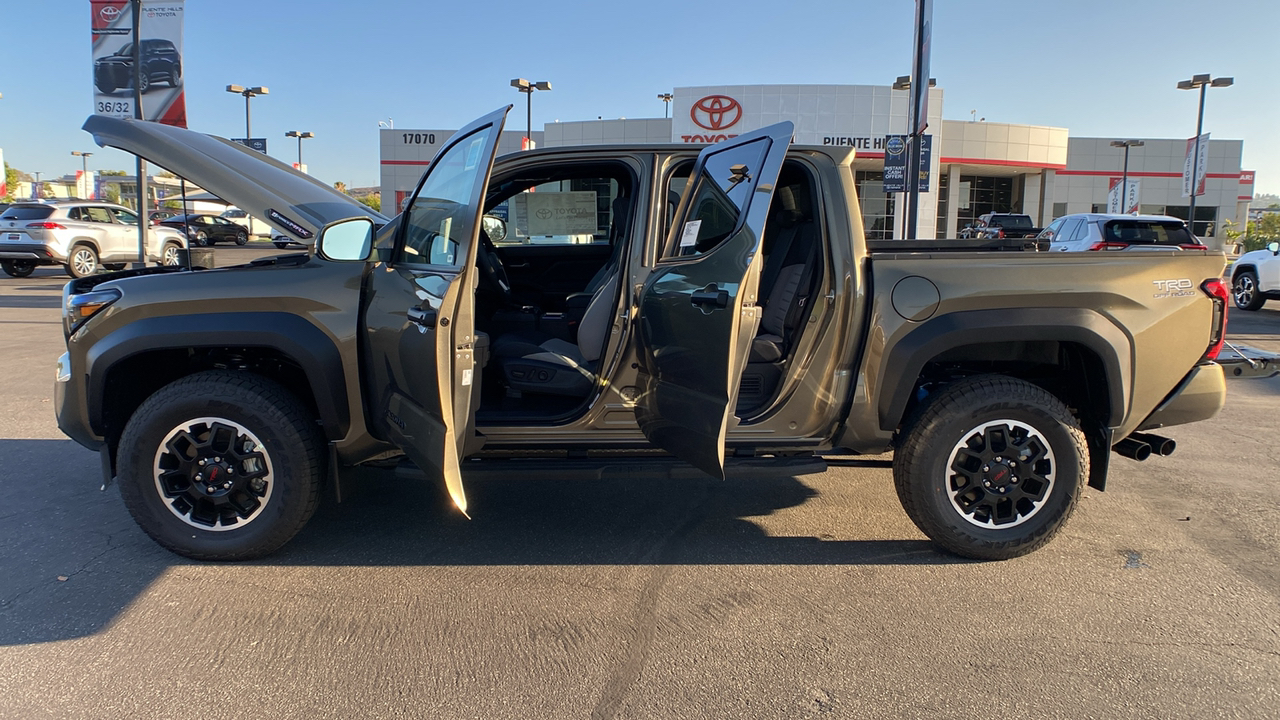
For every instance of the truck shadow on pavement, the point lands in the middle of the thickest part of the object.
(71, 558)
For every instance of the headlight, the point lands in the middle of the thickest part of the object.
(79, 308)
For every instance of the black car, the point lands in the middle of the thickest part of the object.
(208, 229)
(160, 62)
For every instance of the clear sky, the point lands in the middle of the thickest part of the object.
(1098, 67)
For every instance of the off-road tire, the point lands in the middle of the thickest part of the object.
(947, 432)
(287, 438)
(1245, 292)
(18, 268)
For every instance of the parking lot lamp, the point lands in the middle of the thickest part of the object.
(1203, 82)
(301, 136)
(248, 94)
(527, 88)
(1124, 174)
(666, 99)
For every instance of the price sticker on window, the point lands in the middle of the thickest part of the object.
(689, 237)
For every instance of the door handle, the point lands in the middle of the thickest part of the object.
(710, 295)
(521, 266)
(423, 317)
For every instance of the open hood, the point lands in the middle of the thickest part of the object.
(294, 203)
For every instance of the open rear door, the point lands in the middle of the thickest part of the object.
(699, 310)
(419, 319)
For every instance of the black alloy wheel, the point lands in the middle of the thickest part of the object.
(242, 238)
(202, 239)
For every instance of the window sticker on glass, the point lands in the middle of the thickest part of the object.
(689, 237)
(473, 152)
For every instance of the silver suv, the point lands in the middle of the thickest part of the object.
(81, 235)
(1097, 231)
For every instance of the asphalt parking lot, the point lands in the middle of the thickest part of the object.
(779, 598)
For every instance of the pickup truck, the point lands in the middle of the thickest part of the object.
(728, 315)
(1002, 225)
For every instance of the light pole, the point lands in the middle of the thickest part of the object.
(1202, 82)
(1124, 174)
(84, 167)
(248, 93)
(527, 88)
(301, 136)
(666, 99)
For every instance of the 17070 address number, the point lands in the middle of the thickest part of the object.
(107, 106)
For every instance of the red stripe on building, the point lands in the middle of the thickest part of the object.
(1005, 163)
(1132, 173)
(406, 162)
(1244, 197)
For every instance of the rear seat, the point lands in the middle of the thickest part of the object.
(787, 276)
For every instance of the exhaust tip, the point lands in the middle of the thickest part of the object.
(1133, 449)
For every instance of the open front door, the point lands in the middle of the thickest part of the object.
(420, 313)
(699, 310)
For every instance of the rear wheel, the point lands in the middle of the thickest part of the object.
(202, 238)
(1244, 290)
(18, 268)
(175, 76)
(242, 238)
(221, 466)
(82, 261)
(170, 255)
(991, 467)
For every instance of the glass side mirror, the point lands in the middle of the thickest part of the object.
(495, 227)
(1274, 248)
(349, 239)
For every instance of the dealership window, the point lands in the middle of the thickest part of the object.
(877, 205)
(941, 225)
(986, 195)
(1059, 209)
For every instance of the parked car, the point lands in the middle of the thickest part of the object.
(255, 226)
(160, 62)
(993, 226)
(752, 331)
(206, 229)
(81, 235)
(1096, 231)
(1255, 277)
(157, 215)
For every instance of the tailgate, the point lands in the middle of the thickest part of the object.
(1147, 305)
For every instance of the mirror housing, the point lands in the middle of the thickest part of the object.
(347, 240)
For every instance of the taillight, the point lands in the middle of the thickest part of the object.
(1000, 234)
(45, 226)
(1218, 335)
(1193, 246)
(1108, 246)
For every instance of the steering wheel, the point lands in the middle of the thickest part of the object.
(492, 270)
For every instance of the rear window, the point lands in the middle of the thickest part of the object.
(1147, 232)
(1012, 221)
(27, 212)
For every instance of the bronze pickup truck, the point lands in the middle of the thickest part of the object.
(576, 310)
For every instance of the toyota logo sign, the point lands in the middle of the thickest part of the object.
(716, 112)
(109, 13)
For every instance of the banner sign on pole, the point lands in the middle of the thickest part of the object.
(37, 190)
(926, 149)
(1130, 205)
(1201, 165)
(4, 186)
(920, 71)
(259, 144)
(160, 33)
(895, 163)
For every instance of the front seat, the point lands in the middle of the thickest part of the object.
(539, 363)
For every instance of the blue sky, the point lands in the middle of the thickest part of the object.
(335, 68)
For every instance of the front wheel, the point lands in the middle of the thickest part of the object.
(1244, 290)
(18, 268)
(991, 467)
(221, 465)
(202, 238)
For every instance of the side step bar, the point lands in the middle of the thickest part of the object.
(629, 468)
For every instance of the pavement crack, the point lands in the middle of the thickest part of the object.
(8, 602)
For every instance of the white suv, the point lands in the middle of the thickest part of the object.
(1255, 277)
(80, 235)
(1096, 231)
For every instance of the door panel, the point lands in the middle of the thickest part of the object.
(699, 311)
(420, 310)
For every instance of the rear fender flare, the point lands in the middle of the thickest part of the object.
(304, 343)
(903, 364)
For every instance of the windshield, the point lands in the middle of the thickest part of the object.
(124, 51)
(1148, 232)
(1012, 221)
(27, 212)
(440, 218)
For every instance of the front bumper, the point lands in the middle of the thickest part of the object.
(38, 253)
(70, 404)
(1200, 396)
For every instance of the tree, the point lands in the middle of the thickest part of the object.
(340, 187)
(11, 178)
(113, 173)
(373, 200)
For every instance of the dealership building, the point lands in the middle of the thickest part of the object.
(975, 167)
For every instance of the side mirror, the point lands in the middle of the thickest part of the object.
(495, 227)
(1274, 248)
(346, 240)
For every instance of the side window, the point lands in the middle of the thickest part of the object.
(1081, 231)
(677, 181)
(573, 211)
(98, 214)
(720, 193)
(75, 214)
(1068, 229)
(1051, 233)
(439, 222)
(124, 217)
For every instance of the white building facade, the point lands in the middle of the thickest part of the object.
(976, 167)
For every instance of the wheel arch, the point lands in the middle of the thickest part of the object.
(1083, 349)
(131, 363)
(1242, 268)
